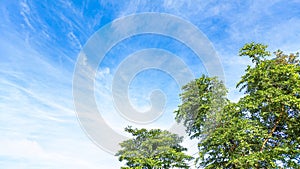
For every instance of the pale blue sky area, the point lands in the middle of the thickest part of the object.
(41, 40)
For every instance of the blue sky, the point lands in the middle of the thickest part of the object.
(40, 42)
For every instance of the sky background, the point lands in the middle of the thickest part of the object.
(41, 40)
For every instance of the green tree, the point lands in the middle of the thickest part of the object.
(202, 103)
(272, 101)
(153, 149)
(262, 129)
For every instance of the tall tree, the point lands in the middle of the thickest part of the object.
(153, 149)
(262, 129)
(272, 100)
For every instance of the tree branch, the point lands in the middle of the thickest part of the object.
(272, 131)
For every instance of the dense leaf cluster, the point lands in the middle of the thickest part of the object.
(262, 129)
(153, 149)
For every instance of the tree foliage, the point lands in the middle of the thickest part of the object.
(262, 129)
(202, 102)
(272, 100)
(153, 149)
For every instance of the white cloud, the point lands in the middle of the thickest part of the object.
(103, 73)
(66, 154)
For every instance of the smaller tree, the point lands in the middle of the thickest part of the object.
(153, 149)
(202, 102)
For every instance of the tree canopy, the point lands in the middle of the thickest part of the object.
(153, 149)
(262, 129)
(202, 103)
